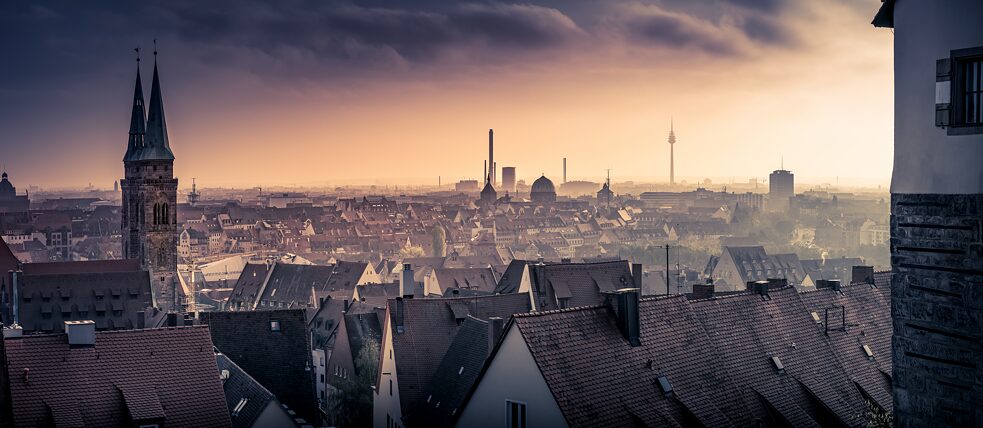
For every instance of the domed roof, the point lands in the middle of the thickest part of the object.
(543, 185)
(6, 188)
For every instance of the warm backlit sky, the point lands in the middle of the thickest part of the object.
(325, 92)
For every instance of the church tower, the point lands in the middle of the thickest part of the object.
(150, 196)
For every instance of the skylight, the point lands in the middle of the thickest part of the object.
(815, 316)
(665, 385)
(775, 361)
(868, 351)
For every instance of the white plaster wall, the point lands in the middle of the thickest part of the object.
(926, 160)
(382, 402)
(512, 375)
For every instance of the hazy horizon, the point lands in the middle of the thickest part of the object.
(380, 91)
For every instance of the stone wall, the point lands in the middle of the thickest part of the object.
(937, 307)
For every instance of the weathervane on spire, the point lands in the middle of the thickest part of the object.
(137, 50)
(155, 50)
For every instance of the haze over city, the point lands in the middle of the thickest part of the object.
(308, 93)
(491, 213)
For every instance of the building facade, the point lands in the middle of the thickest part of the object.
(937, 211)
(149, 210)
(781, 187)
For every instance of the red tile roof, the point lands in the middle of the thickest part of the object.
(168, 372)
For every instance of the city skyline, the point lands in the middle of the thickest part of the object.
(579, 80)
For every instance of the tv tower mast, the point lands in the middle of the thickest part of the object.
(672, 155)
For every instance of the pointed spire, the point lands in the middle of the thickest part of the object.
(138, 119)
(157, 146)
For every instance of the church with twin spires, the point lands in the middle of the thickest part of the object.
(149, 209)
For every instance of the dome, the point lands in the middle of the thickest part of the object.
(543, 191)
(543, 185)
(6, 189)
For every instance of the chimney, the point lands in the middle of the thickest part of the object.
(776, 283)
(636, 275)
(81, 333)
(406, 284)
(173, 320)
(141, 319)
(495, 327)
(758, 287)
(15, 286)
(624, 303)
(862, 275)
(564, 170)
(348, 304)
(13, 331)
(399, 314)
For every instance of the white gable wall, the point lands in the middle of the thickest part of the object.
(512, 375)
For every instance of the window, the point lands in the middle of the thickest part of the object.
(959, 92)
(515, 414)
(390, 387)
(274, 325)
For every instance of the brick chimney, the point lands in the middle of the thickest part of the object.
(636, 275)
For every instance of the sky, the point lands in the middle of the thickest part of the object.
(304, 92)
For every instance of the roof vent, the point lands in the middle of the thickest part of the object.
(775, 361)
(665, 385)
(224, 375)
(81, 333)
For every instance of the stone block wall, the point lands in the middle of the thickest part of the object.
(937, 307)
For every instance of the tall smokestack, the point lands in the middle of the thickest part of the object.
(564, 170)
(491, 156)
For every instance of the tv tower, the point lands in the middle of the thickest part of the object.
(672, 154)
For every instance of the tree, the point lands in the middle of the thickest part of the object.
(411, 251)
(351, 404)
(439, 241)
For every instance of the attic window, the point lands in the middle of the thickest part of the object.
(868, 351)
(665, 385)
(274, 325)
(775, 361)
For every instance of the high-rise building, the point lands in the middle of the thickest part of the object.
(936, 212)
(508, 179)
(149, 209)
(672, 154)
(781, 187)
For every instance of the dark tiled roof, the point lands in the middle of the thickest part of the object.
(346, 275)
(92, 266)
(510, 280)
(749, 330)
(481, 279)
(580, 283)
(293, 285)
(454, 377)
(599, 379)
(239, 386)
(429, 327)
(361, 328)
(247, 286)
(867, 323)
(279, 360)
(170, 372)
(113, 299)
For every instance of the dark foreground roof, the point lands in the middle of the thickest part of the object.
(279, 360)
(740, 360)
(165, 373)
